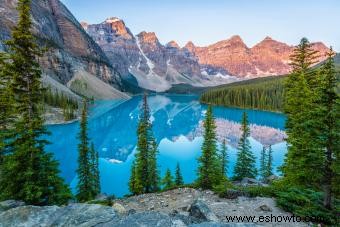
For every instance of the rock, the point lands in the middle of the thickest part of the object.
(210, 224)
(119, 208)
(146, 219)
(201, 211)
(131, 211)
(264, 208)
(250, 181)
(232, 194)
(72, 215)
(102, 197)
(9, 204)
(271, 178)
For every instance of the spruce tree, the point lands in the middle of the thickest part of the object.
(304, 157)
(209, 172)
(224, 158)
(178, 176)
(263, 163)
(85, 189)
(327, 115)
(168, 181)
(269, 162)
(245, 163)
(135, 185)
(146, 172)
(94, 161)
(28, 173)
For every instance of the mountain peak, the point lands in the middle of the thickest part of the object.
(190, 46)
(148, 37)
(236, 38)
(111, 20)
(173, 44)
(84, 24)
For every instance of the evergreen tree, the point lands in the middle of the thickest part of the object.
(209, 172)
(146, 172)
(263, 163)
(178, 176)
(94, 160)
(245, 164)
(85, 189)
(224, 158)
(327, 115)
(28, 173)
(304, 158)
(135, 185)
(167, 181)
(269, 162)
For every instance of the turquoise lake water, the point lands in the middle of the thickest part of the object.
(175, 118)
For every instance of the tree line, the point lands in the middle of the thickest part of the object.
(27, 171)
(263, 93)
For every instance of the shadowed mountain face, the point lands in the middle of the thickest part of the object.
(71, 51)
(267, 58)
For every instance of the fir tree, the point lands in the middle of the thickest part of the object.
(178, 176)
(146, 172)
(327, 115)
(85, 189)
(135, 185)
(28, 172)
(269, 162)
(224, 158)
(167, 181)
(209, 172)
(304, 157)
(245, 164)
(263, 163)
(94, 160)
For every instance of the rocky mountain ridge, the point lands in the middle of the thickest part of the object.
(267, 58)
(73, 60)
(153, 66)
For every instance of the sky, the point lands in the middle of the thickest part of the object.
(207, 21)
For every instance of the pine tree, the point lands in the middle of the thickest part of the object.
(28, 172)
(178, 176)
(146, 172)
(245, 164)
(224, 158)
(167, 181)
(135, 185)
(327, 115)
(263, 163)
(85, 189)
(269, 162)
(304, 158)
(209, 173)
(94, 161)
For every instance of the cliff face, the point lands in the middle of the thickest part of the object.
(267, 58)
(70, 49)
(154, 66)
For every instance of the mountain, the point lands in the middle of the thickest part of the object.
(74, 64)
(143, 60)
(267, 58)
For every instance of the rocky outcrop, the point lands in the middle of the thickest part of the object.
(153, 66)
(70, 49)
(269, 57)
(179, 207)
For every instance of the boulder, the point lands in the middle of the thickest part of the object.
(271, 178)
(9, 204)
(119, 208)
(202, 212)
(250, 181)
(73, 215)
(264, 207)
(149, 218)
(232, 194)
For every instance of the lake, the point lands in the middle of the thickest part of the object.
(177, 127)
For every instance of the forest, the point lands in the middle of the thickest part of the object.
(260, 93)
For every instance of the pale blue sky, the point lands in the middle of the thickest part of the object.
(207, 21)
